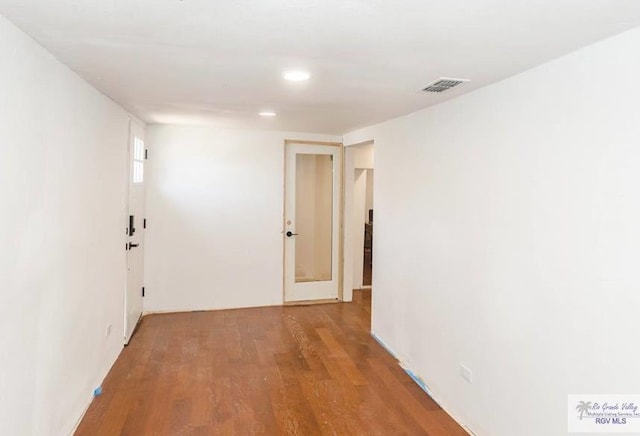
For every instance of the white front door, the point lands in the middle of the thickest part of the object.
(312, 222)
(135, 231)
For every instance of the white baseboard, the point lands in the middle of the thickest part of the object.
(423, 385)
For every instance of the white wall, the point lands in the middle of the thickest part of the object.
(363, 155)
(63, 169)
(507, 240)
(214, 203)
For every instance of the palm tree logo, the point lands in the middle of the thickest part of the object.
(583, 407)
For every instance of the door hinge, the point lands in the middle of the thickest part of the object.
(146, 153)
(143, 291)
(144, 223)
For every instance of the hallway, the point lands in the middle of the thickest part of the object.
(303, 370)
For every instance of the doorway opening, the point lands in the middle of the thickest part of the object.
(363, 227)
(367, 266)
(358, 218)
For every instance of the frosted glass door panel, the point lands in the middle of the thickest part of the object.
(314, 213)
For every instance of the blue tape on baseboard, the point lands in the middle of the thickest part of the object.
(97, 391)
(417, 379)
(383, 345)
(410, 373)
(425, 388)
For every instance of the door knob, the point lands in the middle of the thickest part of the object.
(132, 245)
(290, 234)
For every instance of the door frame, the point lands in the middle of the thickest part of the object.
(340, 218)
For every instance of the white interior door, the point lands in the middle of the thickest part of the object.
(312, 222)
(135, 231)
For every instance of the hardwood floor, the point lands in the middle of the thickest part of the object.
(305, 370)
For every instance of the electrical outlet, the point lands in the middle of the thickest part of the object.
(108, 330)
(466, 373)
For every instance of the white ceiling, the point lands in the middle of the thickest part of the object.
(220, 61)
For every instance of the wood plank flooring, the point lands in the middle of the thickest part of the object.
(303, 370)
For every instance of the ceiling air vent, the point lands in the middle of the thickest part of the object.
(443, 84)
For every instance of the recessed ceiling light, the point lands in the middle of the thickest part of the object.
(267, 114)
(296, 75)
